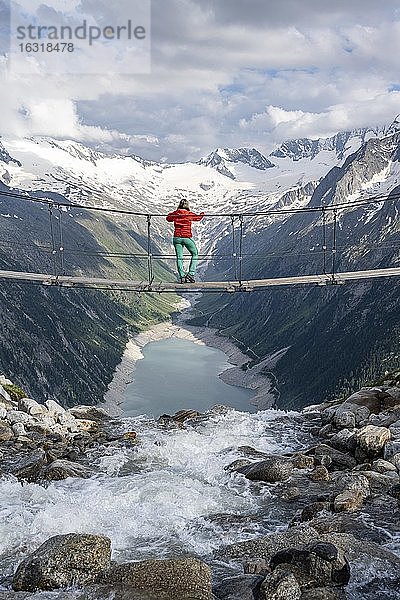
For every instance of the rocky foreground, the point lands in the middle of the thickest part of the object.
(341, 496)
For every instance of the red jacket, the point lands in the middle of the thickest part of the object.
(182, 220)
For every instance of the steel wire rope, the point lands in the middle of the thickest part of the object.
(314, 209)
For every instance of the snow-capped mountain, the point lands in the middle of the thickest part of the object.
(83, 175)
(224, 159)
(342, 144)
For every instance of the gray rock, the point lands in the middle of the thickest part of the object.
(344, 440)
(394, 392)
(339, 460)
(256, 566)
(67, 421)
(5, 432)
(91, 413)
(312, 510)
(314, 565)
(391, 448)
(324, 593)
(281, 584)
(381, 466)
(264, 547)
(8, 595)
(17, 416)
(18, 429)
(241, 587)
(372, 439)
(31, 407)
(62, 469)
(29, 467)
(395, 492)
(272, 469)
(186, 578)
(3, 412)
(344, 419)
(357, 482)
(62, 561)
(348, 501)
(395, 461)
(54, 408)
(291, 493)
(380, 483)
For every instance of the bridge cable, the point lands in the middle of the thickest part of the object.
(53, 243)
(324, 240)
(61, 238)
(345, 205)
(149, 255)
(334, 248)
(234, 255)
(241, 250)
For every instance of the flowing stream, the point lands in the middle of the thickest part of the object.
(170, 495)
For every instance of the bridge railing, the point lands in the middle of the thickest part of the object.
(79, 239)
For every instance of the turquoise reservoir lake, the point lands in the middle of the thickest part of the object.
(177, 374)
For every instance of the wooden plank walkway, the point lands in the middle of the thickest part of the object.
(200, 286)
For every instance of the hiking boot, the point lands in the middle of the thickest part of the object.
(190, 279)
(182, 280)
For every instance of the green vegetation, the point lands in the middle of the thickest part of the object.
(14, 391)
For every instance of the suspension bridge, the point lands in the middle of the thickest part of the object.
(329, 275)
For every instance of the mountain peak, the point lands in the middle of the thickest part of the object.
(221, 158)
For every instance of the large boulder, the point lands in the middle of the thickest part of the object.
(90, 413)
(62, 469)
(31, 407)
(54, 408)
(18, 416)
(281, 584)
(354, 481)
(371, 440)
(266, 546)
(62, 561)
(348, 501)
(314, 565)
(29, 467)
(272, 469)
(372, 398)
(241, 587)
(186, 578)
(333, 458)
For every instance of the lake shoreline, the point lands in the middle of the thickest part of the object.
(253, 379)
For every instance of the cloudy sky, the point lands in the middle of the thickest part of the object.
(223, 73)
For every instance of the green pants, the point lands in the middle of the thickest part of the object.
(179, 244)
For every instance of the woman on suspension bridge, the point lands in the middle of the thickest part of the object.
(182, 218)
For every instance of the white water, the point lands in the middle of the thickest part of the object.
(157, 499)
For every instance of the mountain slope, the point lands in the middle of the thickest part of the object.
(66, 343)
(332, 334)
